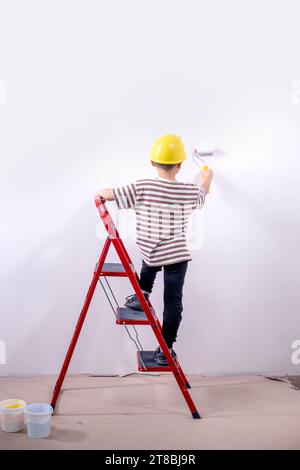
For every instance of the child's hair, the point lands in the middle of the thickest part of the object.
(164, 166)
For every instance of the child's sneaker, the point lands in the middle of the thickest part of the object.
(161, 359)
(133, 302)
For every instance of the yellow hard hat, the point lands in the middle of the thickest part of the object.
(168, 150)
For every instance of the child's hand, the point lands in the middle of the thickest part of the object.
(207, 174)
(99, 194)
(105, 194)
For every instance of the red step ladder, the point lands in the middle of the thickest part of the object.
(125, 316)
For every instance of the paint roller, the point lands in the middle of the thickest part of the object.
(199, 155)
(202, 155)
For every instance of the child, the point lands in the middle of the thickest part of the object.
(162, 207)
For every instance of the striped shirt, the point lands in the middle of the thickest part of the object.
(162, 210)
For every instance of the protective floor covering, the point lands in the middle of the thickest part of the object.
(149, 412)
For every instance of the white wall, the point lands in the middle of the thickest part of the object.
(88, 86)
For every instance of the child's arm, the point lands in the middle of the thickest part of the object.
(106, 194)
(204, 179)
(125, 196)
(207, 176)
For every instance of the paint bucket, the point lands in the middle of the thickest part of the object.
(38, 420)
(12, 414)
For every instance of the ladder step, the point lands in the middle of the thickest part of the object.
(114, 269)
(150, 364)
(132, 317)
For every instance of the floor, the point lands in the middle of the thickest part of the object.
(148, 412)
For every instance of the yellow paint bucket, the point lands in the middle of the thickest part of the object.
(12, 414)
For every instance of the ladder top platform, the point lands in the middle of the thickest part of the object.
(114, 269)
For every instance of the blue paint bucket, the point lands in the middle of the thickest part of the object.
(38, 420)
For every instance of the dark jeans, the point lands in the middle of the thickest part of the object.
(174, 275)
